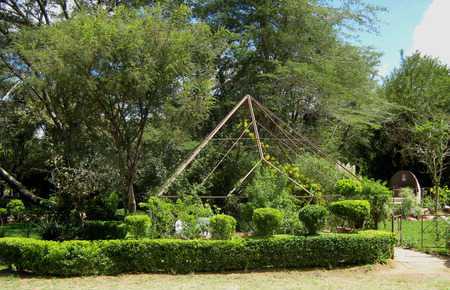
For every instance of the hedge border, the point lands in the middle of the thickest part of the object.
(78, 258)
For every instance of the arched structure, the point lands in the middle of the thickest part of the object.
(405, 178)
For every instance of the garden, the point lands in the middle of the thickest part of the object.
(216, 137)
(186, 235)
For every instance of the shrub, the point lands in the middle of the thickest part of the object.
(355, 212)
(183, 256)
(378, 196)
(103, 230)
(409, 204)
(102, 206)
(138, 226)
(267, 220)
(162, 213)
(270, 189)
(3, 214)
(222, 226)
(188, 209)
(319, 170)
(313, 218)
(50, 229)
(16, 208)
(348, 187)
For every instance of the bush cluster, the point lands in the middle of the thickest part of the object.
(313, 218)
(374, 191)
(348, 187)
(73, 258)
(102, 230)
(355, 212)
(138, 226)
(222, 226)
(267, 220)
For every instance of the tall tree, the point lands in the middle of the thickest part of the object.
(291, 55)
(120, 72)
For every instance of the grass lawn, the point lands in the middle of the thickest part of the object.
(435, 235)
(376, 277)
(19, 230)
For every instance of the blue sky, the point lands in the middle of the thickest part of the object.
(410, 25)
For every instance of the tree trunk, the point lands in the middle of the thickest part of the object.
(131, 198)
(19, 186)
(131, 175)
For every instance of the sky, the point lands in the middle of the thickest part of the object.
(410, 25)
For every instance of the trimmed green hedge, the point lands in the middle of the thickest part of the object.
(356, 212)
(72, 258)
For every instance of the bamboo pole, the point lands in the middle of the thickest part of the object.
(199, 148)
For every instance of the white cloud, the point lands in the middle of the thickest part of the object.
(432, 35)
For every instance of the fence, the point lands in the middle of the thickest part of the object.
(428, 233)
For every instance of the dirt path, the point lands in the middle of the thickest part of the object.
(410, 270)
(410, 262)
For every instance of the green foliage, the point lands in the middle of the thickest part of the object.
(103, 206)
(126, 67)
(103, 230)
(3, 213)
(378, 196)
(355, 212)
(348, 187)
(430, 93)
(319, 171)
(431, 144)
(313, 217)
(222, 226)
(138, 226)
(444, 195)
(419, 89)
(164, 214)
(270, 189)
(84, 191)
(409, 204)
(51, 229)
(180, 256)
(16, 208)
(267, 220)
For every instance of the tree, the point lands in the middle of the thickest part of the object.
(431, 144)
(414, 93)
(289, 54)
(120, 72)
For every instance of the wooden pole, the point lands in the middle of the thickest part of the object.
(199, 148)
(255, 127)
(245, 177)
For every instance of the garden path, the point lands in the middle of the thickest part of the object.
(409, 261)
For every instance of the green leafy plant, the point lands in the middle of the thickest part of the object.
(3, 215)
(138, 226)
(163, 215)
(103, 230)
(16, 208)
(188, 209)
(270, 189)
(409, 204)
(355, 212)
(222, 226)
(378, 196)
(313, 218)
(348, 187)
(267, 220)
